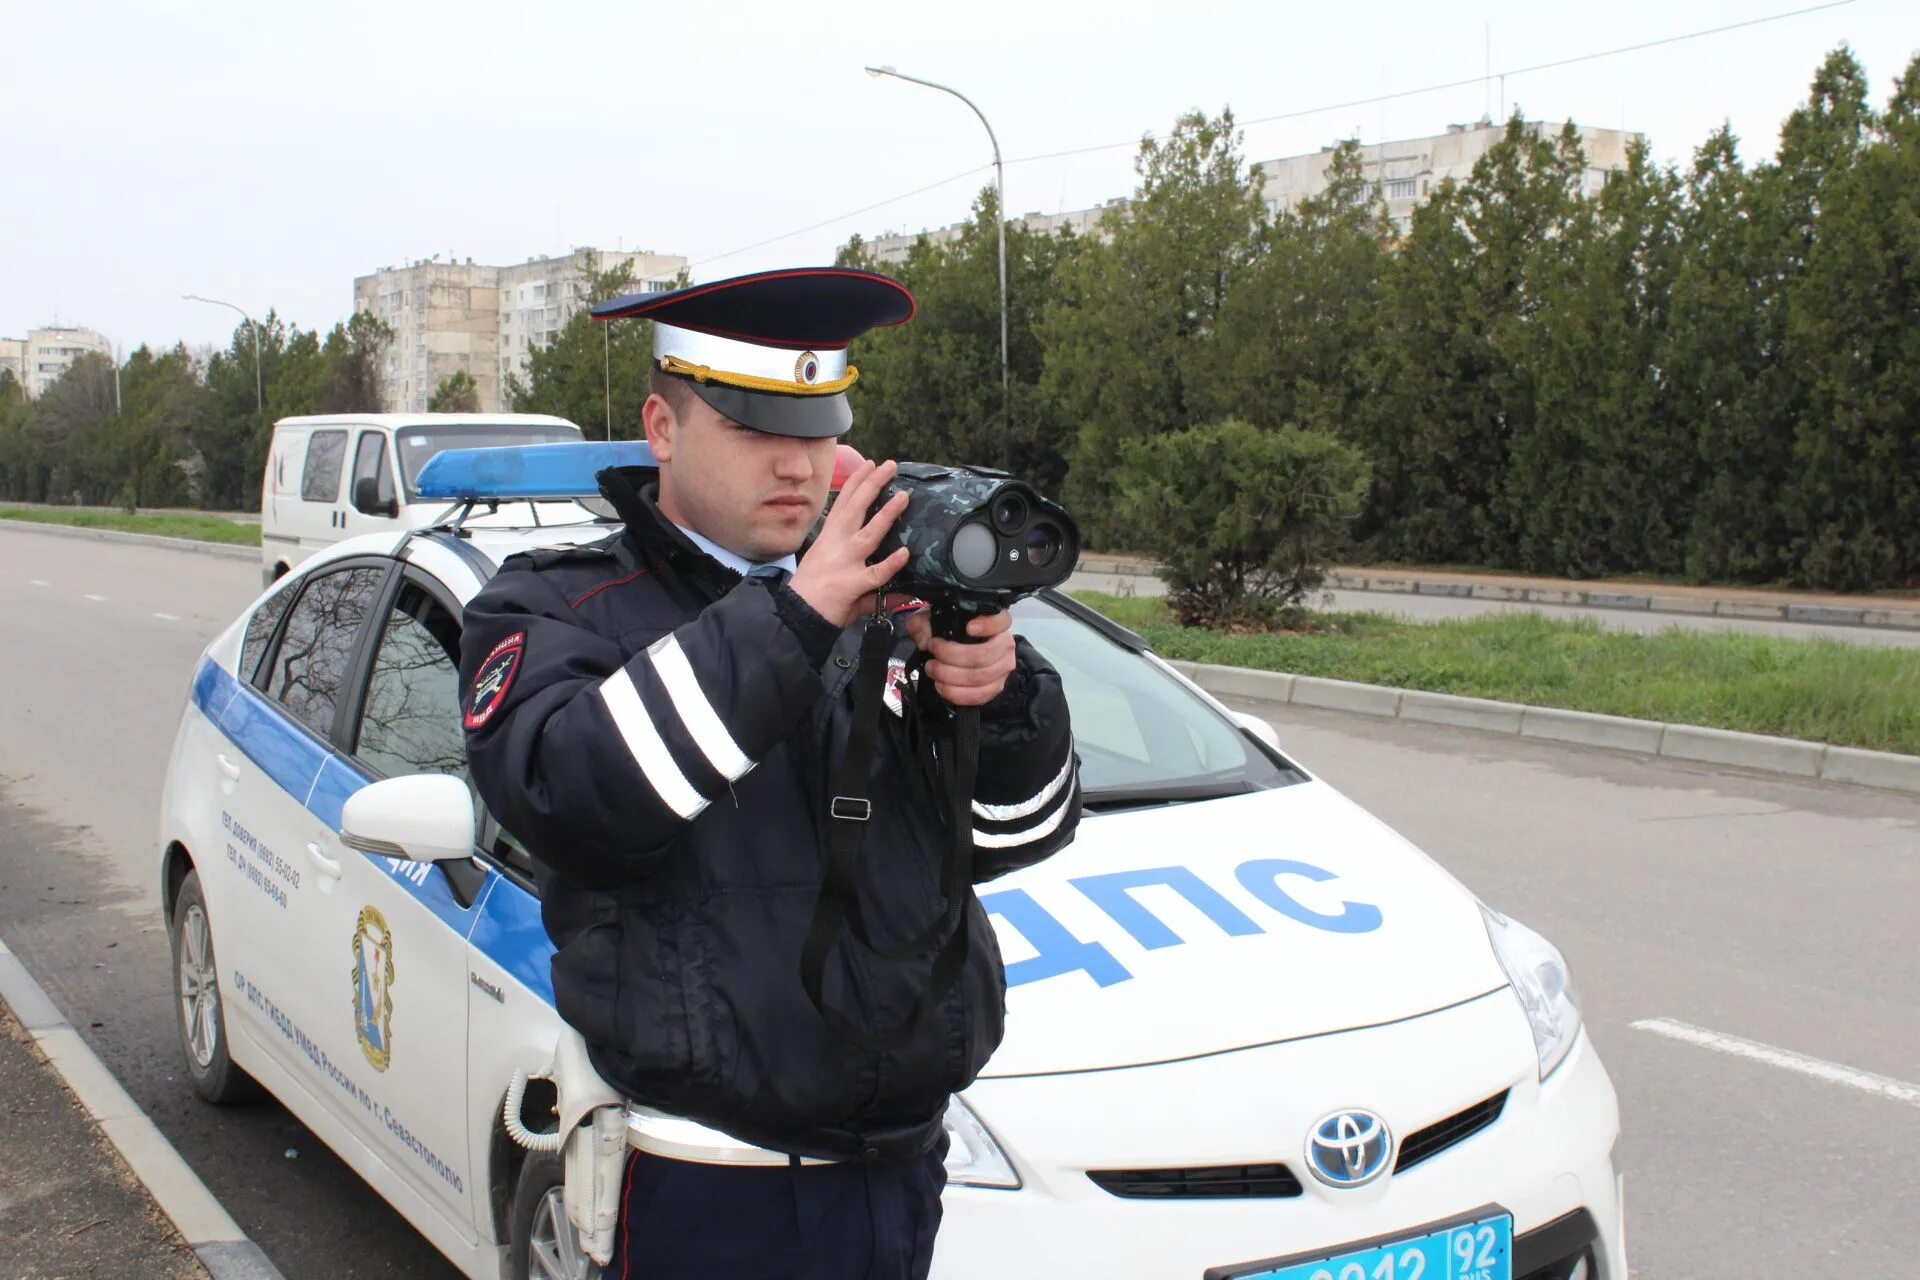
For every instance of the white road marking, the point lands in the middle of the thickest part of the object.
(1787, 1059)
(166, 617)
(98, 599)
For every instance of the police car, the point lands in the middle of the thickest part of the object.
(1251, 1031)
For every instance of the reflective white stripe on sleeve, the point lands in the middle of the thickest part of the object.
(696, 712)
(1007, 839)
(1008, 812)
(649, 751)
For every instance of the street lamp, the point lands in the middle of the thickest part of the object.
(259, 380)
(1000, 215)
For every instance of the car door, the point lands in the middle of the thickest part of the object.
(282, 720)
(372, 460)
(321, 511)
(393, 1010)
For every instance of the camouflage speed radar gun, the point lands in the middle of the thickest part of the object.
(979, 539)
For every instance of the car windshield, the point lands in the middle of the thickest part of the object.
(1143, 737)
(418, 444)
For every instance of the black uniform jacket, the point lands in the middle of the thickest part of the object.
(660, 734)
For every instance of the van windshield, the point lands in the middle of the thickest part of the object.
(418, 444)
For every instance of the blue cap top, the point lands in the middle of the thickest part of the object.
(525, 472)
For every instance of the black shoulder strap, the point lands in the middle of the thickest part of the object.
(839, 900)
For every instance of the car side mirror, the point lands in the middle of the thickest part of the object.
(366, 498)
(1258, 728)
(423, 817)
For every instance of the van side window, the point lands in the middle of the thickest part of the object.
(320, 481)
(370, 459)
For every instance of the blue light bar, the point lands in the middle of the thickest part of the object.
(526, 472)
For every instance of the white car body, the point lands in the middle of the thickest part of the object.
(1192, 986)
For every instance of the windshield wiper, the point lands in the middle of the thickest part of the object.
(1108, 799)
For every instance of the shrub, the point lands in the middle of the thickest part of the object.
(1243, 518)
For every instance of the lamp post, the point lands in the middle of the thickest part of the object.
(259, 379)
(1000, 215)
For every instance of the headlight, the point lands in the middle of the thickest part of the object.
(1543, 983)
(974, 1159)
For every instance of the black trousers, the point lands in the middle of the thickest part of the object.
(853, 1221)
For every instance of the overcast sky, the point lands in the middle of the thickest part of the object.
(269, 153)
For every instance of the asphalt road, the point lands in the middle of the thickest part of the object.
(1418, 608)
(1774, 911)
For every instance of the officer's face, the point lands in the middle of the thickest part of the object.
(753, 493)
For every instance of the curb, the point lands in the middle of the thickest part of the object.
(224, 550)
(215, 1238)
(1753, 610)
(1820, 615)
(1788, 757)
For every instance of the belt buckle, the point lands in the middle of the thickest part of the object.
(851, 808)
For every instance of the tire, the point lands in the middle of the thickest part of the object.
(545, 1246)
(198, 1008)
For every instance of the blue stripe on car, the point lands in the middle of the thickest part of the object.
(504, 924)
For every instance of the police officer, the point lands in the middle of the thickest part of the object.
(659, 716)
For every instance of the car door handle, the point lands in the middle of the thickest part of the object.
(228, 769)
(318, 856)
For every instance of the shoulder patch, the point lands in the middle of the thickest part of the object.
(495, 677)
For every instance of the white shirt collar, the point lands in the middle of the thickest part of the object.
(738, 563)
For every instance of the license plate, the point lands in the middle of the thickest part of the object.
(1476, 1247)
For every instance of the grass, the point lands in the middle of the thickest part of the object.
(1821, 690)
(199, 528)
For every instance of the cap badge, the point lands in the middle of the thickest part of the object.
(807, 368)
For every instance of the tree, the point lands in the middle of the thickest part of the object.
(1854, 498)
(1603, 480)
(1743, 529)
(1298, 332)
(929, 390)
(1455, 374)
(355, 381)
(457, 393)
(1243, 516)
(1125, 342)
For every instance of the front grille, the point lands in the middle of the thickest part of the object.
(1276, 1181)
(1220, 1182)
(1435, 1138)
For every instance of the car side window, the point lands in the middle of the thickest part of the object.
(370, 459)
(260, 630)
(410, 722)
(311, 664)
(320, 481)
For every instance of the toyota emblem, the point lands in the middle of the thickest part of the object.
(1349, 1149)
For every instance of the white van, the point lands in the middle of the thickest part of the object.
(333, 476)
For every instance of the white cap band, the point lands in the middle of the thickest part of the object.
(748, 359)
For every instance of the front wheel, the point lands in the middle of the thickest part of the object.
(202, 1018)
(545, 1245)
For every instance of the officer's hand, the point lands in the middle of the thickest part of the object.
(967, 674)
(834, 576)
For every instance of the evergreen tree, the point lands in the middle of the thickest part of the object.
(1852, 336)
(1456, 374)
(457, 393)
(1299, 331)
(1125, 342)
(1742, 529)
(1602, 481)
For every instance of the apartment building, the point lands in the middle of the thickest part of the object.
(486, 321)
(38, 360)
